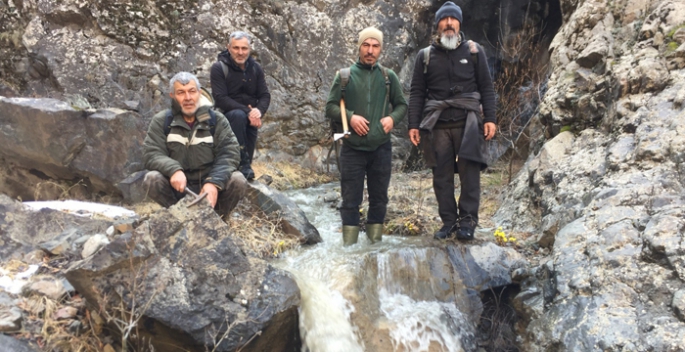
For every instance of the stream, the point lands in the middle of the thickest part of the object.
(381, 297)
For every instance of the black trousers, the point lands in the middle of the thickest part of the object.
(446, 144)
(244, 132)
(354, 166)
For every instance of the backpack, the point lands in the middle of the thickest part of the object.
(212, 116)
(473, 48)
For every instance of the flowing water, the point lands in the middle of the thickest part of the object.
(365, 297)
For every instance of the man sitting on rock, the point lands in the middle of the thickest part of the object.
(240, 91)
(192, 146)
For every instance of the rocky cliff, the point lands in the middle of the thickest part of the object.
(605, 190)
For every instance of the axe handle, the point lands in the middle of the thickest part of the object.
(343, 114)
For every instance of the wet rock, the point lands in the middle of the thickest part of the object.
(293, 220)
(93, 244)
(70, 144)
(190, 271)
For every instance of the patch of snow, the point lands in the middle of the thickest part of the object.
(86, 209)
(14, 285)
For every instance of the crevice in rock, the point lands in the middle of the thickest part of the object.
(496, 329)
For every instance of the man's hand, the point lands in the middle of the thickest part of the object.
(360, 125)
(212, 193)
(414, 136)
(178, 181)
(255, 117)
(388, 123)
(490, 129)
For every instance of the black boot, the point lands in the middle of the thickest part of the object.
(445, 232)
(467, 227)
(246, 165)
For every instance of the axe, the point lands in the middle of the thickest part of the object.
(346, 131)
(198, 198)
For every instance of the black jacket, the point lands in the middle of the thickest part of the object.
(450, 72)
(239, 88)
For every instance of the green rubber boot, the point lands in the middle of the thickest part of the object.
(374, 232)
(350, 234)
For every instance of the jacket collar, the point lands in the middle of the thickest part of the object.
(364, 66)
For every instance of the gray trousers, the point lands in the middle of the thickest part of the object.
(159, 189)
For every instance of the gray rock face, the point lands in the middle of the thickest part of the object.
(193, 284)
(122, 53)
(52, 139)
(10, 344)
(607, 197)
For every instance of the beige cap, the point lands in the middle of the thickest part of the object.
(370, 32)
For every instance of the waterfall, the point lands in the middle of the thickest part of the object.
(397, 295)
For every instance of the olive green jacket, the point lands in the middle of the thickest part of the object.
(365, 96)
(203, 157)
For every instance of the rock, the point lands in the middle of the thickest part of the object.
(190, 271)
(124, 225)
(66, 313)
(93, 244)
(10, 344)
(24, 230)
(293, 220)
(47, 286)
(71, 144)
(10, 314)
(63, 244)
(132, 188)
(679, 304)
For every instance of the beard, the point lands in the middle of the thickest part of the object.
(450, 42)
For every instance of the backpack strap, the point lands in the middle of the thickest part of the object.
(473, 49)
(426, 58)
(344, 80)
(224, 68)
(387, 87)
(169, 118)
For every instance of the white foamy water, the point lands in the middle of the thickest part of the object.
(329, 275)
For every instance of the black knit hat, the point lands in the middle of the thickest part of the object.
(448, 9)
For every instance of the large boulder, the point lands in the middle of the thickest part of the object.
(50, 139)
(182, 274)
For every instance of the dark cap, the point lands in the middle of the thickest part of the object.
(448, 9)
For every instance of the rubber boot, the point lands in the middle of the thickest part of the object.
(374, 232)
(350, 234)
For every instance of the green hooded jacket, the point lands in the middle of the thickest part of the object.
(365, 96)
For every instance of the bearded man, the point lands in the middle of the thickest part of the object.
(450, 86)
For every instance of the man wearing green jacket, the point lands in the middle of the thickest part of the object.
(367, 151)
(192, 146)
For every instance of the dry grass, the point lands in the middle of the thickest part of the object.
(260, 234)
(287, 175)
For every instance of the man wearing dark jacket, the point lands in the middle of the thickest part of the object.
(239, 90)
(367, 152)
(445, 106)
(191, 146)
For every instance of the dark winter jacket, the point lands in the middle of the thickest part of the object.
(450, 72)
(239, 88)
(365, 96)
(202, 157)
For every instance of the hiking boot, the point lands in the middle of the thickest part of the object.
(374, 232)
(350, 234)
(465, 233)
(445, 232)
(245, 166)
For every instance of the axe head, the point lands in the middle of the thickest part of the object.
(337, 136)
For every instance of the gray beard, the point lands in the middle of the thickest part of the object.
(449, 42)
